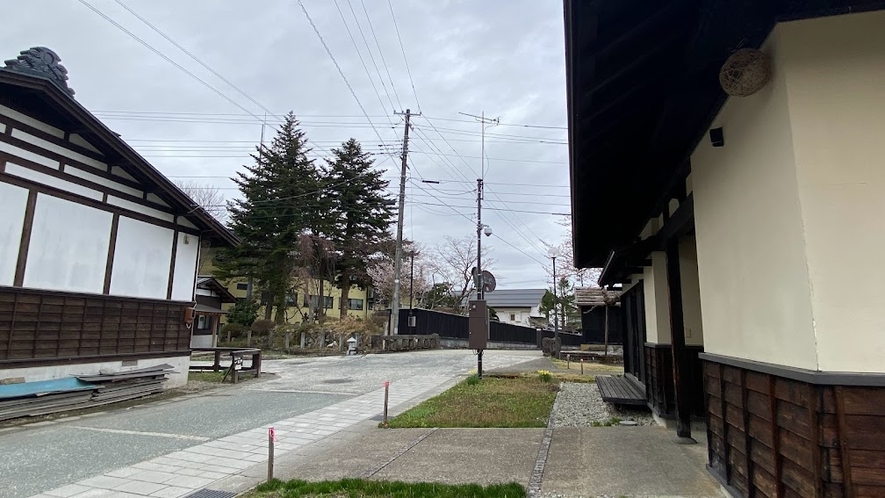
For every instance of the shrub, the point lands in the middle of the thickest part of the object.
(262, 326)
(234, 329)
(473, 380)
(244, 312)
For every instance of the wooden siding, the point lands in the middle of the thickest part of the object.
(659, 384)
(39, 325)
(775, 437)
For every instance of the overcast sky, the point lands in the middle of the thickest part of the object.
(501, 57)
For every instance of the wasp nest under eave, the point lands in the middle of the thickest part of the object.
(745, 72)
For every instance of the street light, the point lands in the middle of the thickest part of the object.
(554, 253)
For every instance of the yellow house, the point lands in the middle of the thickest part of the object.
(360, 301)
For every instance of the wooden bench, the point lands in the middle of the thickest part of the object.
(236, 358)
(620, 390)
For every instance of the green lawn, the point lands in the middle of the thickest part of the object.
(358, 488)
(492, 402)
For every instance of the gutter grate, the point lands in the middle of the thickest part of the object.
(210, 493)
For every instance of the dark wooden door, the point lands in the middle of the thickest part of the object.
(634, 334)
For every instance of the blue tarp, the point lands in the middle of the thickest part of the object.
(43, 387)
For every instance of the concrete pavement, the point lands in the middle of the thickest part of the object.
(218, 439)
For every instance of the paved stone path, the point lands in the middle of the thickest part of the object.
(237, 461)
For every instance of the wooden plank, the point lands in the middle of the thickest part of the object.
(863, 401)
(772, 413)
(843, 443)
(864, 432)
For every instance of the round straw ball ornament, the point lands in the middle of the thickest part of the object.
(745, 72)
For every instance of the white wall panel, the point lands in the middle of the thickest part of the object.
(138, 208)
(185, 223)
(141, 260)
(185, 267)
(69, 246)
(78, 140)
(45, 144)
(13, 201)
(156, 200)
(103, 181)
(22, 118)
(118, 171)
(36, 176)
(30, 156)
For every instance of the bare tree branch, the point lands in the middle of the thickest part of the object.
(206, 196)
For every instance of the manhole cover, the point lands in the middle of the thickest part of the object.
(337, 381)
(211, 493)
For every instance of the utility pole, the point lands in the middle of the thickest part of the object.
(398, 262)
(480, 293)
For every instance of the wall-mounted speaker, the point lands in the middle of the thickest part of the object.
(717, 138)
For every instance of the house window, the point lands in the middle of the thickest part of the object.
(328, 302)
(242, 286)
(512, 317)
(203, 322)
(355, 304)
(291, 300)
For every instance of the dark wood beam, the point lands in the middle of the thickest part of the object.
(681, 366)
(669, 8)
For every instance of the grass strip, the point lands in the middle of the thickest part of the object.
(360, 488)
(490, 402)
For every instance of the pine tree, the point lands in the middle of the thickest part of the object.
(361, 213)
(281, 201)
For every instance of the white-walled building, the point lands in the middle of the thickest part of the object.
(98, 250)
(516, 306)
(748, 231)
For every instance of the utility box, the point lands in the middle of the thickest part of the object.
(478, 322)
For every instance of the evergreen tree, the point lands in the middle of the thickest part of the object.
(281, 201)
(361, 214)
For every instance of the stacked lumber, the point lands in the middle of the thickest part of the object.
(31, 399)
(129, 384)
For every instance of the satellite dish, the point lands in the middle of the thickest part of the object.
(488, 281)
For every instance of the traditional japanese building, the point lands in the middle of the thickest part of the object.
(98, 250)
(742, 143)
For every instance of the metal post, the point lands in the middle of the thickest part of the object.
(386, 393)
(555, 311)
(480, 295)
(411, 288)
(271, 436)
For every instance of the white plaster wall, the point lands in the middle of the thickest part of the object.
(38, 177)
(836, 88)
(69, 246)
(751, 254)
(202, 341)
(141, 260)
(34, 374)
(691, 292)
(13, 202)
(657, 303)
(185, 267)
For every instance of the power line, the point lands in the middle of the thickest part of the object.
(360, 55)
(166, 58)
(520, 250)
(194, 57)
(329, 52)
(381, 53)
(405, 59)
(369, 49)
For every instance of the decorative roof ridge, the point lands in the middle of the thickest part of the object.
(41, 61)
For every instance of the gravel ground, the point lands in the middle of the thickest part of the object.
(580, 405)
